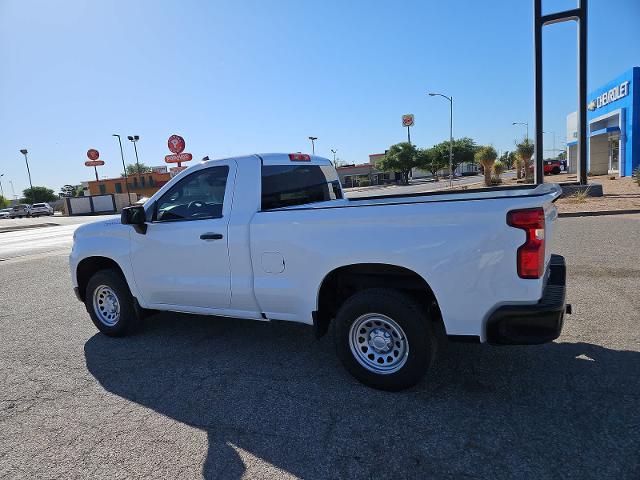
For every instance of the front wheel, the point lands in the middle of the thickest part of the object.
(384, 339)
(110, 303)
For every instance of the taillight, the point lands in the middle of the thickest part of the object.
(299, 157)
(531, 253)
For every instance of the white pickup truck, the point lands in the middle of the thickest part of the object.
(271, 237)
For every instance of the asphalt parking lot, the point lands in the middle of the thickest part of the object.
(192, 397)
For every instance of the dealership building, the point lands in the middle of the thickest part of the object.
(613, 128)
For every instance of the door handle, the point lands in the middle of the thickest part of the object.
(211, 236)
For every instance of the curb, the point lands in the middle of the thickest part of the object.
(15, 228)
(597, 214)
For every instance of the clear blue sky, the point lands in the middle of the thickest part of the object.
(253, 76)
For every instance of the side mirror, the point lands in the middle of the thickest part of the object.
(135, 216)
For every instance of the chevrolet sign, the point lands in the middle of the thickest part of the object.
(616, 93)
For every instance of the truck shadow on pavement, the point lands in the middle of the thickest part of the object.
(270, 390)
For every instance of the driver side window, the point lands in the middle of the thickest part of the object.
(196, 197)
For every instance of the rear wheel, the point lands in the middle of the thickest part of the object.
(110, 303)
(384, 339)
(556, 170)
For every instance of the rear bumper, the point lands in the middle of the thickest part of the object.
(532, 324)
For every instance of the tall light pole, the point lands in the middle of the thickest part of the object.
(1, 191)
(526, 124)
(334, 156)
(313, 145)
(134, 139)
(450, 133)
(13, 192)
(24, 152)
(126, 179)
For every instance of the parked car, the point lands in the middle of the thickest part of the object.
(550, 167)
(5, 213)
(20, 210)
(271, 237)
(40, 209)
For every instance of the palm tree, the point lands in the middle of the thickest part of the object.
(486, 156)
(525, 152)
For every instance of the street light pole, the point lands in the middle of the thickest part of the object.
(526, 124)
(134, 139)
(1, 190)
(126, 179)
(24, 152)
(334, 156)
(450, 134)
(13, 192)
(313, 145)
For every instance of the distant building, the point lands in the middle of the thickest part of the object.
(613, 128)
(365, 174)
(144, 185)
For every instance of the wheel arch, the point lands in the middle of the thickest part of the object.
(90, 265)
(342, 282)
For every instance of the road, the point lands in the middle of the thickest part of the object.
(193, 397)
(28, 236)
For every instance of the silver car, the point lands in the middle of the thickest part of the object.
(5, 213)
(20, 210)
(38, 209)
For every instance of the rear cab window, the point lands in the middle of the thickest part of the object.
(291, 185)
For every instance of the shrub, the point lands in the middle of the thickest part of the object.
(486, 156)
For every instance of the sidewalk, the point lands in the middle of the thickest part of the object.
(621, 194)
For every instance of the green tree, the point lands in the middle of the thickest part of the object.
(38, 194)
(400, 157)
(508, 158)
(463, 149)
(486, 156)
(71, 191)
(524, 150)
(4, 203)
(431, 160)
(132, 169)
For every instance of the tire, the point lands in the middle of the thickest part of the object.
(556, 170)
(380, 315)
(115, 319)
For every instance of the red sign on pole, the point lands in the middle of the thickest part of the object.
(93, 154)
(176, 144)
(178, 158)
(94, 163)
(407, 120)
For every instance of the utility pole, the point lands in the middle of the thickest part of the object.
(134, 139)
(450, 134)
(1, 191)
(334, 156)
(313, 145)
(24, 152)
(526, 124)
(126, 179)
